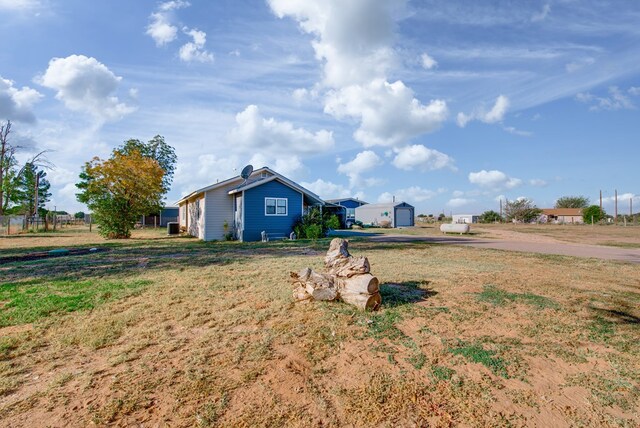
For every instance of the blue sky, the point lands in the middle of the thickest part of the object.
(450, 106)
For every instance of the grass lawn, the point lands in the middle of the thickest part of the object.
(158, 330)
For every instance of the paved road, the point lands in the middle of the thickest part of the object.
(631, 255)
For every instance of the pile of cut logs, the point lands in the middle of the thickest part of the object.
(347, 278)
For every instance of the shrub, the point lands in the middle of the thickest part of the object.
(332, 222)
(593, 213)
(314, 225)
(385, 224)
(490, 217)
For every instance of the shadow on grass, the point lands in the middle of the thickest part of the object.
(131, 257)
(399, 294)
(616, 316)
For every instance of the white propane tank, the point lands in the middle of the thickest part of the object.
(454, 228)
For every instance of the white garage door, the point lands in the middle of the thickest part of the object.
(403, 217)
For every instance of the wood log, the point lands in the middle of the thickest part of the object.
(301, 294)
(351, 266)
(365, 284)
(317, 285)
(366, 302)
(348, 278)
(338, 249)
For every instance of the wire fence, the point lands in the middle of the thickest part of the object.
(15, 224)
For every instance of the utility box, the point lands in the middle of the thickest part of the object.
(173, 228)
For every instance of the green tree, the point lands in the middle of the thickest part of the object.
(25, 190)
(158, 150)
(593, 214)
(572, 202)
(522, 210)
(7, 168)
(121, 189)
(490, 217)
(79, 215)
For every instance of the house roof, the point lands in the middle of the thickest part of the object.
(337, 201)
(562, 211)
(385, 205)
(253, 182)
(250, 184)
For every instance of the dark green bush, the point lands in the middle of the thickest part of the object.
(314, 224)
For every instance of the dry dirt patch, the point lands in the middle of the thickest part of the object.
(465, 336)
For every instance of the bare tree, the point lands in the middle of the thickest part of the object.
(8, 163)
(7, 160)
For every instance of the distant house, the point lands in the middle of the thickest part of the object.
(465, 218)
(399, 214)
(348, 213)
(563, 215)
(266, 201)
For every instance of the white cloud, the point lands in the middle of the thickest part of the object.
(363, 162)
(616, 100)
(459, 202)
(457, 193)
(623, 198)
(327, 189)
(493, 179)
(254, 133)
(537, 182)
(161, 29)
(543, 14)
(303, 94)
(84, 84)
(574, 66)
(18, 5)
(495, 115)
(389, 113)
(410, 195)
(354, 40)
(515, 131)
(194, 51)
(173, 5)
(290, 166)
(634, 90)
(423, 158)
(427, 61)
(17, 104)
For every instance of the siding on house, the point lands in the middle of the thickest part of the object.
(196, 217)
(255, 219)
(219, 208)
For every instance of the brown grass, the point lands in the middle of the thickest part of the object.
(466, 336)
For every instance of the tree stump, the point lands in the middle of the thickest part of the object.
(347, 279)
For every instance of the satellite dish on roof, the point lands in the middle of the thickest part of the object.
(246, 172)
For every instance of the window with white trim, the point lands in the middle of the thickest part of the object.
(275, 206)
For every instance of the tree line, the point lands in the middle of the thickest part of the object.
(525, 210)
(24, 189)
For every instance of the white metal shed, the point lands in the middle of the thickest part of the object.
(399, 214)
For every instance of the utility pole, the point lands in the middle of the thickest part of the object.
(615, 211)
(600, 203)
(500, 209)
(35, 205)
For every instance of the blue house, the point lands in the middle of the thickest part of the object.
(349, 212)
(265, 202)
